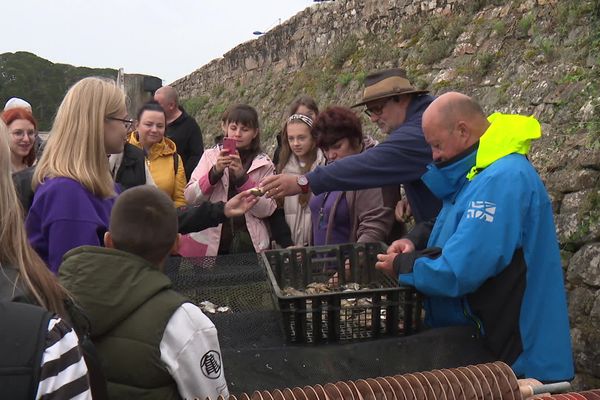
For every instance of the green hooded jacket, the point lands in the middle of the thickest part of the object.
(129, 303)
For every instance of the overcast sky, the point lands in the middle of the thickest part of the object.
(165, 38)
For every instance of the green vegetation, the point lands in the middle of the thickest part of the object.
(42, 83)
(435, 51)
(345, 78)
(547, 48)
(343, 51)
(524, 25)
(195, 104)
(217, 110)
(217, 90)
(360, 77)
(484, 62)
(499, 27)
(576, 75)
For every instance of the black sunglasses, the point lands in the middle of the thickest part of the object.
(127, 122)
(376, 109)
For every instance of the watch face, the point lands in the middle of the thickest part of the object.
(302, 181)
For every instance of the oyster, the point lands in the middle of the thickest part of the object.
(351, 286)
(317, 287)
(290, 291)
(208, 307)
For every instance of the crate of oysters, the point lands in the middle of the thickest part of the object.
(335, 294)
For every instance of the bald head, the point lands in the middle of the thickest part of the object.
(453, 123)
(168, 93)
(166, 96)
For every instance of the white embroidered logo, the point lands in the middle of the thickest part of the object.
(484, 210)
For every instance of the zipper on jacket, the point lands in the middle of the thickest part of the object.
(476, 321)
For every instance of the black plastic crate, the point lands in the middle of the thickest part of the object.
(379, 308)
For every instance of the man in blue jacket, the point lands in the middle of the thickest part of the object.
(492, 258)
(396, 107)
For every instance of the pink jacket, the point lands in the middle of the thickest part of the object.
(199, 189)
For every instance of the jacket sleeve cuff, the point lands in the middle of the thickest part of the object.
(419, 235)
(214, 176)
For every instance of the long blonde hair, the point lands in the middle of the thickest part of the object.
(75, 147)
(15, 251)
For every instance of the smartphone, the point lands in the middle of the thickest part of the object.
(229, 144)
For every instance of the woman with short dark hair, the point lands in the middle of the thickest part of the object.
(346, 216)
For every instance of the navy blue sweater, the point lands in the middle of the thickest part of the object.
(400, 159)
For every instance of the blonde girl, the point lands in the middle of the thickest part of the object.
(74, 190)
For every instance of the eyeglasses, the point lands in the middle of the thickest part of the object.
(128, 123)
(20, 134)
(376, 109)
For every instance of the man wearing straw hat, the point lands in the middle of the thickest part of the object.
(396, 107)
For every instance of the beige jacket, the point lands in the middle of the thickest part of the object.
(296, 215)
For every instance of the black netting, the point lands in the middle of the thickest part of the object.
(249, 330)
(237, 282)
(193, 272)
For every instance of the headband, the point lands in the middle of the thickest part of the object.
(306, 119)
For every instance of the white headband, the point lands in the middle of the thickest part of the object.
(304, 118)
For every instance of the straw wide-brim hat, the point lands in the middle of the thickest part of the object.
(387, 83)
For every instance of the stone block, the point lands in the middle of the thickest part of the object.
(588, 158)
(585, 267)
(580, 301)
(573, 180)
(572, 202)
(250, 63)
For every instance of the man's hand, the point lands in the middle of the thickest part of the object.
(385, 264)
(401, 246)
(402, 211)
(239, 204)
(280, 186)
(223, 161)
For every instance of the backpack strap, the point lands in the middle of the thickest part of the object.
(175, 162)
(22, 347)
(81, 325)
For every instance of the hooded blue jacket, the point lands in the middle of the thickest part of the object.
(401, 158)
(500, 263)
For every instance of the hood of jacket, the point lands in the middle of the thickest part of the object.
(447, 178)
(109, 284)
(166, 147)
(506, 134)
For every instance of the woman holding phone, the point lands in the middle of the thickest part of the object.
(224, 171)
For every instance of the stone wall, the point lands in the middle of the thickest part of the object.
(532, 57)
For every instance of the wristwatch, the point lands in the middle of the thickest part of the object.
(303, 183)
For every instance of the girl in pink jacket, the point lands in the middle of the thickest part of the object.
(221, 174)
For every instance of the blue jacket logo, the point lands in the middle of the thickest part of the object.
(484, 210)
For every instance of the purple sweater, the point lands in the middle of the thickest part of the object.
(65, 215)
(321, 206)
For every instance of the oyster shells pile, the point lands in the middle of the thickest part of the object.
(211, 308)
(320, 287)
